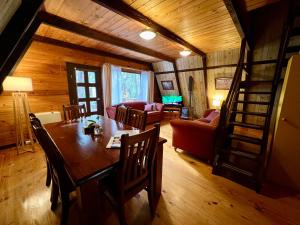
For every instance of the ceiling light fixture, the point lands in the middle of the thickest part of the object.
(185, 53)
(147, 34)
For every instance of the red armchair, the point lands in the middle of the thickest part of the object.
(196, 136)
(154, 110)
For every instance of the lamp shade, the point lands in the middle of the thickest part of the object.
(217, 100)
(17, 84)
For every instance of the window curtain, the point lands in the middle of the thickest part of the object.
(116, 93)
(107, 86)
(147, 86)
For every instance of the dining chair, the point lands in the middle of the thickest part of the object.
(62, 186)
(34, 120)
(137, 118)
(135, 171)
(121, 114)
(73, 112)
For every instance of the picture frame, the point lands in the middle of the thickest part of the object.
(167, 85)
(223, 83)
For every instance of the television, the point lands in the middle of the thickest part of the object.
(172, 99)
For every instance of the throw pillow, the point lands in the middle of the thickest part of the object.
(148, 107)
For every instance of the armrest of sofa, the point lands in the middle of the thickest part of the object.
(111, 111)
(207, 112)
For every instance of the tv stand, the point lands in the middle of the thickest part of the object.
(172, 107)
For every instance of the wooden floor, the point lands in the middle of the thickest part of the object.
(191, 195)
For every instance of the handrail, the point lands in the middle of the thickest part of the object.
(228, 104)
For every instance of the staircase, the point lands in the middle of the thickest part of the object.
(241, 151)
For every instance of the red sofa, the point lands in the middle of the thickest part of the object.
(196, 136)
(154, 110)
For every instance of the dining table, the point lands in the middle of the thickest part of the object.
(87, 160)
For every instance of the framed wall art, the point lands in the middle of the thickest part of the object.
(167, 85)
(223, 83)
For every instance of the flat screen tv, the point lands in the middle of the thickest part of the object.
(172, 99)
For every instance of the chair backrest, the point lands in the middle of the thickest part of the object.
(53, 155)
(137, 155)
(73, 112)
(137, 118)
(121, 114)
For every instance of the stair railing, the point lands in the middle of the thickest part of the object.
(228, 104)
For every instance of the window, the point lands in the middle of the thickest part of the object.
(130, 86)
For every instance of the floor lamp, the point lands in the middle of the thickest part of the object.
(19, 86)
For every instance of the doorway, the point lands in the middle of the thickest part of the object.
(85, 87)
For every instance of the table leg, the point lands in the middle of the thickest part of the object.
(158, 173)
(89, 198)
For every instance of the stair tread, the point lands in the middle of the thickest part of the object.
(248, 125)
(256, 92)
(295, 31)
(291, 49)
(237, 169)
(242, 153)
(248, 139)
(251, 113)
(253, 102)
(255, 82)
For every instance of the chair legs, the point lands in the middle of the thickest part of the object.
(65, 209)
(48, 178)
(54, 196)
(121, 212)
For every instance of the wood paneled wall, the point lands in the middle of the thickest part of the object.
(267, 33)
(46, 65)
(199, 94)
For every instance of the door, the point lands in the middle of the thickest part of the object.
(85, 87)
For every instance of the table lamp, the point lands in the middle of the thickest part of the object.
(19, 86)
(217, 100)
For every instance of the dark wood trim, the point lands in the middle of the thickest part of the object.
(270, 61)
(64, 44)
(77, 28)
(123, 9)
(240, 17)
(16, 37)
(5, 147)
(129, 70)
(204, 62)
(176, 77)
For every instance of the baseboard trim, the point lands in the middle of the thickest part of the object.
(3, 147)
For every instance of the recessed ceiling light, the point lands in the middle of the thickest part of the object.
(147, 34)
(185, 53)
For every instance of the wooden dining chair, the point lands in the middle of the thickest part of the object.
(121, 114)
(135, 171)
(34, 120)
(73, 112)
(137, 118)
(62, 186)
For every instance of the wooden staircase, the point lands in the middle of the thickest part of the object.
(241, 151)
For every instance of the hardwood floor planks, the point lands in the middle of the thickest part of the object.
(191, 195)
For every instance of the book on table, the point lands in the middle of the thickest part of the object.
(115, 141)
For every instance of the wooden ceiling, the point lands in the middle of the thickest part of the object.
(206, 24)
(255, 4)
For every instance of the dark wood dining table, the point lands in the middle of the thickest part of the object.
(87, 160)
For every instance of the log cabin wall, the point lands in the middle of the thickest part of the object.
(46, 65)
(192, 62)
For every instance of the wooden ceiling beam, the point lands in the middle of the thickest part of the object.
(241, 19)
(64, 44)
(16, 36)
(77, 28)
(125, 10)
